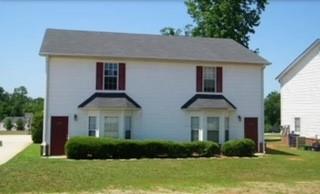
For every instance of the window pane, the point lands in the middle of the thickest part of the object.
(111, 127)
(209, 79)
(127, 127)
(226, 135)
(92, 123)
(110, 76)
(194, 135)
(213, 136)
(213, 123)
(195, 125)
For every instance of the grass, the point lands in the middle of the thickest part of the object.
(283, 170)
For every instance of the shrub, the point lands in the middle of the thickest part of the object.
(20, 125)
(8, 124)
(36, 130)
(244, 147)
(103, 148)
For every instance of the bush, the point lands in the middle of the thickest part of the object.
(8, 124)
(103, 148)
(36, 129)
(20, 125)
(244, 147)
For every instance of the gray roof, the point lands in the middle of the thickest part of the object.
(208, 101)
(314, 45)
(139, 46)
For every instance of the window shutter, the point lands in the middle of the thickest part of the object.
(219, 79)
(99, 75)
(199, 78)
(122, 76)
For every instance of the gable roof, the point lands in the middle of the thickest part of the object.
(314, 45)
(140, 46)
(208, 101)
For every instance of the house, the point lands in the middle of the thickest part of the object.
(135, 86)
(26, 119)
(300, 93)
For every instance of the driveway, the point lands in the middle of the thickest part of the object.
(12, 145)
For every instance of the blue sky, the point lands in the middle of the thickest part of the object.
(286, 29)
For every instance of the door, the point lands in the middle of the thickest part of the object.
(59, 134)
(251, 129)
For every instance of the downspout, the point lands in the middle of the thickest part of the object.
(45, 140)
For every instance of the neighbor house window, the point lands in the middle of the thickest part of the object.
(213, 129)
(92, 125)
(111, 76)
(297, 124)
(226, 129)
(195, 125)
(127, 127)
(111, 127)
(209, 79)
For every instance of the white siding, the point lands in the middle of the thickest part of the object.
(160, 89)
(300, 95)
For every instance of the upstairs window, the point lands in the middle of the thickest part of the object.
(209, 79)
(111, 76)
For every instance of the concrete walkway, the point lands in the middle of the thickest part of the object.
(12, 145)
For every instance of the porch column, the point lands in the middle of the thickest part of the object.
(221, 128)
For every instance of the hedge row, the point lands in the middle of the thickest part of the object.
(104, 148)
(244, 147)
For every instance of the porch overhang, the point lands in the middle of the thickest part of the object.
(102, 101)
(208, 102)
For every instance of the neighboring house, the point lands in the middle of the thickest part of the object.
(137, 86)
(300, 93)
(27, 120)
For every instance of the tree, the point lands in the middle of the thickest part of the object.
(20, 124)
(272, 111)
(234, 19)
(8, 124)
(37, 126)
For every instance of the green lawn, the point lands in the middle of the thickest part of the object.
(283, 170)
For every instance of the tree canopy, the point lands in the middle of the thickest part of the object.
(18, 103)
(272, 111)
(235, 19)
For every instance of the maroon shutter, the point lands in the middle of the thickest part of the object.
(99, 76)
(219, 79)
(199, 78)
(122, 76)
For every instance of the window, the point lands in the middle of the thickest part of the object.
(226, 129)
(127, 127)
(213, 129)
(92, 125)
(111, 75)
(195, 125)
(209, 79)
(111, 127)
(297, 124)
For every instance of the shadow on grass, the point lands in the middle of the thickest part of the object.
(278, 152)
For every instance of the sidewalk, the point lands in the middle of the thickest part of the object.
(12, 145)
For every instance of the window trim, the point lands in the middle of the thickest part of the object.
(218, 130)
(203, 79)
(104, 76)
(295, 125)
(96, 125)
(191, 130)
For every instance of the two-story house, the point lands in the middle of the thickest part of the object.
(135, 86)
(300, 93)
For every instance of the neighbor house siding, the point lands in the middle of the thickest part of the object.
(300, 95)
(160, 88)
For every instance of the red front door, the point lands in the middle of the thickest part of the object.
(59, 134)
(251, 129)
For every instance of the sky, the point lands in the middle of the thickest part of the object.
(287, 28)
